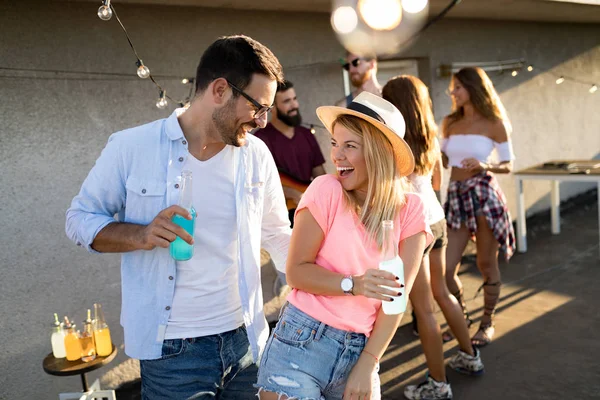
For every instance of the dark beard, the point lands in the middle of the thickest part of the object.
(226, 126)
(290, 120)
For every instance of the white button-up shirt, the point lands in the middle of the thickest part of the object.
(137, 176)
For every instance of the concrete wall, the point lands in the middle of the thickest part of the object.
(53, 128)
(550, 121)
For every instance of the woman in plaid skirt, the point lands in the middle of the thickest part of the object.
(475, 205)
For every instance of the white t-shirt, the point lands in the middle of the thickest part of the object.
(433, 209)
(206, 299)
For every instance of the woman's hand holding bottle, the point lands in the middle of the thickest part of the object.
(371, 284)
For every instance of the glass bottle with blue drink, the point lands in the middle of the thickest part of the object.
(180, 249)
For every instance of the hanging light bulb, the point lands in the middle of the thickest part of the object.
(414, 6)
(381, 15)
(104, 12)
(515, 72)
(185, 81)
(530, 68)
(142, 71)
(560, 80)
(370, 28)
(344, 20)
(312, 130)
(162, 100)
(593, 89)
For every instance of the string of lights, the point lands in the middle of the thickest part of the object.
(55, 74)
(560, 79)
(61, 74)
(312, 127)
(514, 66)
(106, 11)
(592, 87)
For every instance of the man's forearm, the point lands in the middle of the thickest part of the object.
(119, 237)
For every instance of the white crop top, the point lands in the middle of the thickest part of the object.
(433, 209)
(460, 147)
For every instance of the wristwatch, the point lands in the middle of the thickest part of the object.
(347, 285)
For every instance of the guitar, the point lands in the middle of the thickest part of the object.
(293, 183)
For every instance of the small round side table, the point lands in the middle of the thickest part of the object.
(62, 367)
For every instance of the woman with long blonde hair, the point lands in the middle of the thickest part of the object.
(319, 348)
(476, 205)
(410, 95)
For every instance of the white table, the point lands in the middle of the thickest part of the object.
(555, 176)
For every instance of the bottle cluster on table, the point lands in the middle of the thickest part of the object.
(86, 344)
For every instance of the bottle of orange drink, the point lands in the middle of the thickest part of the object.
(101, 332)
(72, 344)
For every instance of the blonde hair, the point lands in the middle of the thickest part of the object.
(385, 190)
(411, 97)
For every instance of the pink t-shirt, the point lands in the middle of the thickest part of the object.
(348, 250)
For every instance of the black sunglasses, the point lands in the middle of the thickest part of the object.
(260, 109)
(355, 63)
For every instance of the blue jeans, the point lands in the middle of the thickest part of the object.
(307, 359)
(209, 367)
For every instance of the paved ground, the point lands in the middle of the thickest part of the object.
(546, 344)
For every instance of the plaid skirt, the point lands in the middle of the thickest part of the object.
(481, 194)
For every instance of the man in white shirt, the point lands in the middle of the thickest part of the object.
(197, 326)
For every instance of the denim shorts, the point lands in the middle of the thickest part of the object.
(440, 235)
(307, 359)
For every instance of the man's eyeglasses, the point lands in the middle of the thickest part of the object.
(355, 63)
(261, 110)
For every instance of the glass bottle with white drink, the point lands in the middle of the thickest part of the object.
(391, 262)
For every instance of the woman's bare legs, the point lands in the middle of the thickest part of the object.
(457, 242)
(450, 307)
(429, 330)
(487, 263)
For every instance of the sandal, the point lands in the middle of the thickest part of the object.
(486, 334)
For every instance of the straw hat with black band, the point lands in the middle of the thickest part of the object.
(381, 114)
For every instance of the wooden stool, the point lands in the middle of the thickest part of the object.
(62, 367)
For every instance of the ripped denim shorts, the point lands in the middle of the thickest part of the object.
(307, 359)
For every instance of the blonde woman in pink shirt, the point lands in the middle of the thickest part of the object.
(333, 332)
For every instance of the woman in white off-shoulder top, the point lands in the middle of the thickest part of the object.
(476, 206)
